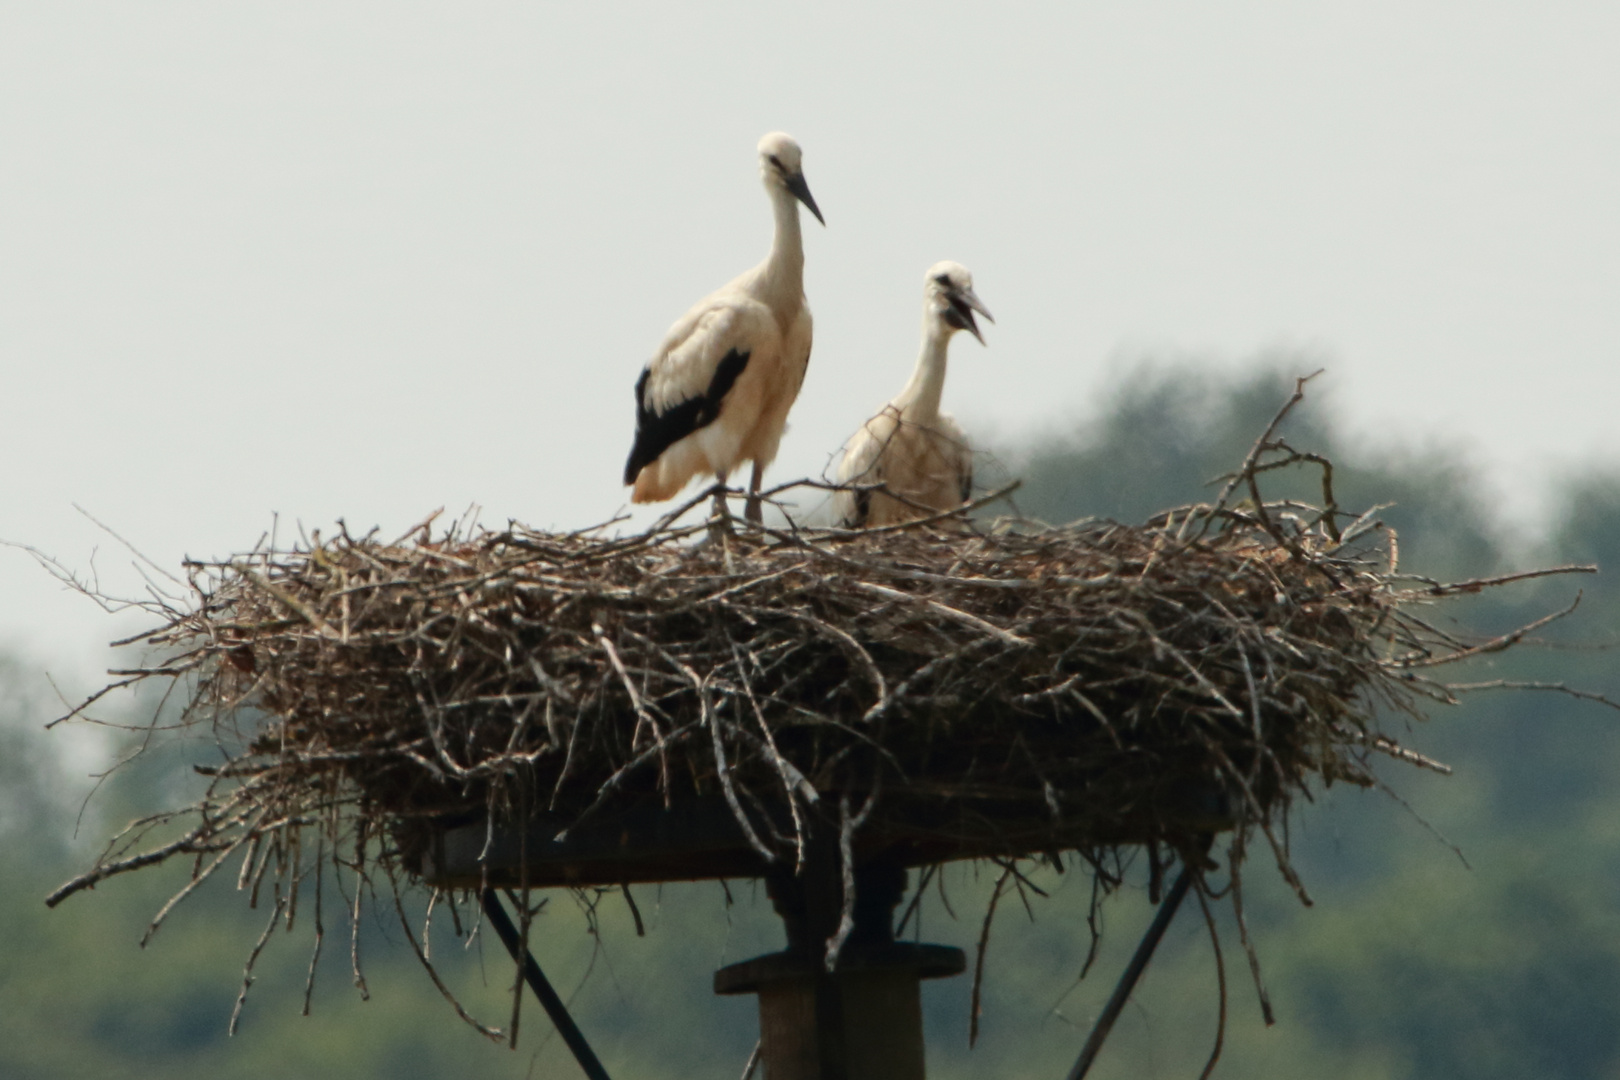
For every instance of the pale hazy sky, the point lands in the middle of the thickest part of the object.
(365, 260)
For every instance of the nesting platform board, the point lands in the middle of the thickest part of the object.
(699, 838)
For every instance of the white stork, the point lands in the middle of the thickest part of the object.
(919, 454)
(718, 390)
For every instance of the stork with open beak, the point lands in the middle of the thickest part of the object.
(718, 390)
(918, 454)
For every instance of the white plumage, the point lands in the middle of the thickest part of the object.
(919, 454)
(718, 391)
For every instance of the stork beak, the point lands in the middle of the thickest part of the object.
(971, 299)
(963, 303)
(800, 190)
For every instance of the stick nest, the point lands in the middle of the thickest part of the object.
(977, 691)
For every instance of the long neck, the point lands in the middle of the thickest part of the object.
(781, 275)
(919, 401)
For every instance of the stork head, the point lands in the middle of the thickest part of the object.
(780, 162)
(951, 299)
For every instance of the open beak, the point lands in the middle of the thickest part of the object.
(964, 302)
(801, 191)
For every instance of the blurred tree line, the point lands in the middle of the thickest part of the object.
(1412, 962)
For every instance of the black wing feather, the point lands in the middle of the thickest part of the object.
(658, 431)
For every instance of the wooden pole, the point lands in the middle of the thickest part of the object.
(571, 1035)
(863, 1019)
(1133, 972)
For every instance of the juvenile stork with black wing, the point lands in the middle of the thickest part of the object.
(718, 391)
(918, 455)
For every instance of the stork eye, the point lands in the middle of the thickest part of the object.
(774, 160)
(943, 279)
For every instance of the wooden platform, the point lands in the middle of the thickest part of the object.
(698, 839)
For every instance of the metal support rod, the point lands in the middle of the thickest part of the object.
(496, 914)
(1133, 972)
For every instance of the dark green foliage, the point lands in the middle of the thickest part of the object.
(1589, 529)
(27, 810)
(1163, 439)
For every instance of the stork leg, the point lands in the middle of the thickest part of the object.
(720, 518)
(720, 528)
(754, 512)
